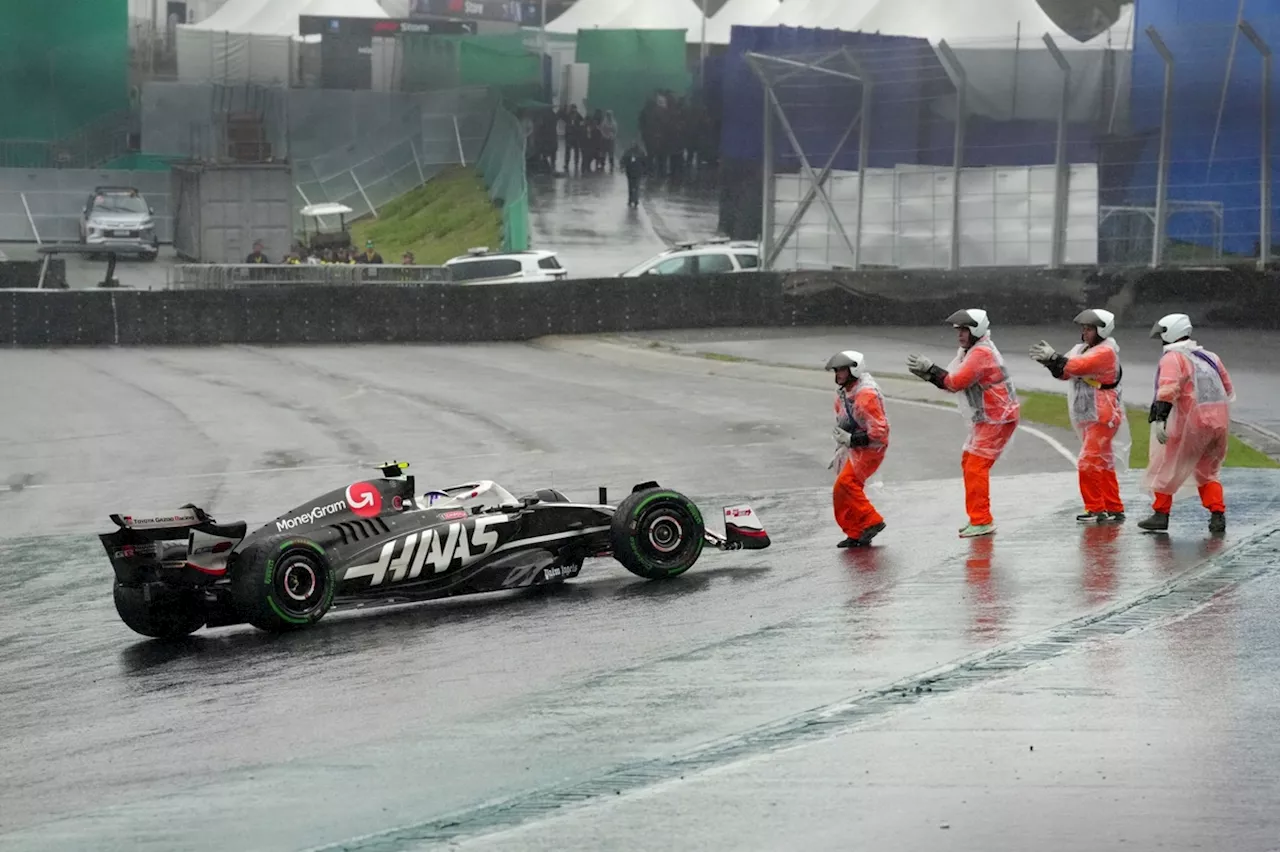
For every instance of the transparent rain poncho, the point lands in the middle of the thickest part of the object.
(1089, 404)
(1198, 385)
(861, 409)
(985, 396)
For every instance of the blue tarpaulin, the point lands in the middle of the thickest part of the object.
(820, 107)
(1199, 34)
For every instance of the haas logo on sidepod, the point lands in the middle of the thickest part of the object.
(445, 548)
(364, 500)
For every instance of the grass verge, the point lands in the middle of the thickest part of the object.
(440, 219)
(1050, 409)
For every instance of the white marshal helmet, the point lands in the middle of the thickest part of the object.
(1103, 321)
(850, 358)
(1172, 328)
(974, 319)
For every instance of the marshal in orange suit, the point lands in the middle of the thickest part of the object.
(861, 434)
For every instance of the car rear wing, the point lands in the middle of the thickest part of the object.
(161, 525)
(138, 554)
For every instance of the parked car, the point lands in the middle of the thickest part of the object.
(709, 257)
(480, 266)
(120, 216)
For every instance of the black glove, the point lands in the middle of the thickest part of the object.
(1160, 411)
(860, 439)
(937, 376)
(1057, 365)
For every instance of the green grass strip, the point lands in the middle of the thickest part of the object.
(441, 219)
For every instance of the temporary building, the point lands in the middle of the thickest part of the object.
(255, 41)
(744, 13)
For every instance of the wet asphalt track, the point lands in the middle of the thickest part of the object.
(585, 218)
(375, 722)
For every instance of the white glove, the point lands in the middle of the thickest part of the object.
(1162, 431)
(841, 437)
(1042, 352)
(919, 364)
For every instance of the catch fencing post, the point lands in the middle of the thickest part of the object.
(957, 156)
(1166, 129)
(1061, 172)
(864, 142)
(767, 177)
(363, 194)
(457, 134)
(1264, 172)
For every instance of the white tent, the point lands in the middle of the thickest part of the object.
(847, 15)
(1000, 45)
(624, 15)
(989, 21)
(805, 13)
(743, 13)
(255, 41)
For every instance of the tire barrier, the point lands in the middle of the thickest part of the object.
(458, 313)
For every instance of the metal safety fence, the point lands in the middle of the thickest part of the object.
(386, 162)
(248, 275)
(1148, 148)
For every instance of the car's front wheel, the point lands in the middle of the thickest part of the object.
(657, 533)
(284, 583)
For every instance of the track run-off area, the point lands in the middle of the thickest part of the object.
(1053, 685)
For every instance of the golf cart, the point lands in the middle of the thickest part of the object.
(326, 239)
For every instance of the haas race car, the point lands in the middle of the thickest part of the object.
(181, 570)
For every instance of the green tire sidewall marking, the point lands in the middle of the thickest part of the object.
(292, 619)
(270, 573)
(633, 539)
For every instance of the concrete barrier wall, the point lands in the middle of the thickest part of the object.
(451, 313)
(26, 273)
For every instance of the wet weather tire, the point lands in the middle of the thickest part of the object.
(657, 533)
(285, 583)
(163, 614)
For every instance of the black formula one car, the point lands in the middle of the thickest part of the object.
(376, 541)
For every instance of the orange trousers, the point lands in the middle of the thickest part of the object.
(1211, 497)
(1098, 485)
(992, 438)
(854, 512)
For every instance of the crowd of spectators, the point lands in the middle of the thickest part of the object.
(676, 134)
(312, 256)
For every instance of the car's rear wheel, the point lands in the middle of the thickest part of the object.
(161, 613)
(657, 533)
(285, 583)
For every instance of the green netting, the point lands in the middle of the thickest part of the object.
(61, 66)
(141, 162)
(502, 166)
(627, 67)
(500, 61)
(429, 62)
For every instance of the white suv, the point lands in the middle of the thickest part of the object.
(704, 258)
(478, 266)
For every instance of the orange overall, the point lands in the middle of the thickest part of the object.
(1197, 384)
(1097, 414)
(989, 402)
(854, 512)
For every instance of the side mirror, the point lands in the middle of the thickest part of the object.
(151, 210)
